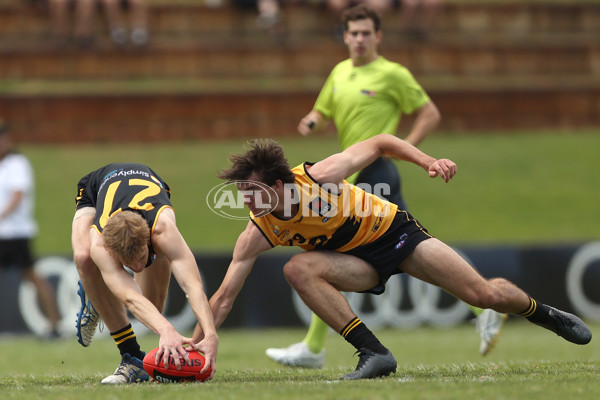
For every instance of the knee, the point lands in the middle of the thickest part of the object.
(84, 263)
(297, 270)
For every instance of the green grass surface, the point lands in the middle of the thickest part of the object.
(528, 363)
(510, 188)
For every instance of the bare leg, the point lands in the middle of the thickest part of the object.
(46, 296)
(380, 6)
(154, 282)
(409, 14)
(110, 308)
(429, 10)
(116, 21)
(59, 16)
(336, 6)
(84, 11)
(435, 262)
(319, 276)
(139, 22)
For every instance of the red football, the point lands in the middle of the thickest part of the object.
(187, 373)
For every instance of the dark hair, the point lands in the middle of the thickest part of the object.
(359, 12)
(265, 157)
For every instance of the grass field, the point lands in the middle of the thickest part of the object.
(528, 363)
(511, 188)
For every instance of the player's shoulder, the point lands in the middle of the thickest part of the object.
(342, 66)
(392, 67)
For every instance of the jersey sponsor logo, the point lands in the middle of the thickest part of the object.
(370, 93)
(284, 235)
(400, 244)
(121, 173)
(377, 223)
(321, 207)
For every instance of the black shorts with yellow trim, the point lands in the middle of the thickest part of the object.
(387, 252)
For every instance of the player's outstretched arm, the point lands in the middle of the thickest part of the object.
(126, 289)
(249, 245)
(356, 157)
(168, 241)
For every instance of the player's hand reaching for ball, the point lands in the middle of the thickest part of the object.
(208, 346)
(172, 344)
(443, 167)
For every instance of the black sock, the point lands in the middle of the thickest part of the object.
(359, 336)
(537, 313)
(127, 342)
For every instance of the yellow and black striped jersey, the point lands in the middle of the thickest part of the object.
(126, 186)
(337, 217)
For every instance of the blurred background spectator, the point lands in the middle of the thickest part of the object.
(416, 17)
(269, 14)
(380, 6)
(60, 14)
(117, 14)
(127, 21)
(17, 225)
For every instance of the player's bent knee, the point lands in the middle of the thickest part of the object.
(84, 263)
(297, 271)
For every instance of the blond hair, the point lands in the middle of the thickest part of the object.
(125, 234)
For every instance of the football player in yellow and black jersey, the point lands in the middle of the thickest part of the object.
(365, 95)
(354, 242)
(123, 218)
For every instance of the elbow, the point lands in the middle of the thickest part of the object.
(129, 303)
(131, 300)
(438, 117)
(435, 115)
(386, 144)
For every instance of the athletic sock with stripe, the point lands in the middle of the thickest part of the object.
(127, 342)
(358, 335)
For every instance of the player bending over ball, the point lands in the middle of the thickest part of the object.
(123, 218)
(354, 242)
